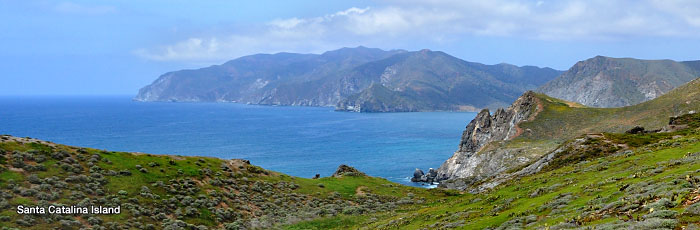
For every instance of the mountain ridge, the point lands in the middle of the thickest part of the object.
(328, 79)
(616, 82)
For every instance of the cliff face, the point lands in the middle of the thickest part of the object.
(377, 98)
(473, 159)
(617, 82)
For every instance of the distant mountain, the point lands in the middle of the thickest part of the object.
(616, 82)
(432, 80)
(402, 81)
(274, 79)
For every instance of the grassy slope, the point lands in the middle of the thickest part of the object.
(557, 122)
(188, 191)
(561, 120)
(662, 172)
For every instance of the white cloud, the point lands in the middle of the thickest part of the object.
(75, 8)
(448, 20)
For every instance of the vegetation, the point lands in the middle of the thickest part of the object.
(562, 120)
(653, 184)
(557, 121)
(174, 192)
(605, 179)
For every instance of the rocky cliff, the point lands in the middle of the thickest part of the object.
(537, 132)
(469, 161)
(617, 82)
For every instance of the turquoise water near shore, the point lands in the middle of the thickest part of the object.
(300, 141)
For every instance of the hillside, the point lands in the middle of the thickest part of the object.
(432, 80)
(651, 183)
(176, 192)
(425, 80)
(536, 124)
(617, 82)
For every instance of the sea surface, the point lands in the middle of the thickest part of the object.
(300, 141)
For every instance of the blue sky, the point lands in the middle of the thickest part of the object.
(115, 47)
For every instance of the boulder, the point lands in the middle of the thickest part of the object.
(417, 174)
(430, 177)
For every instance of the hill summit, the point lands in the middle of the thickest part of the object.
(617, 82)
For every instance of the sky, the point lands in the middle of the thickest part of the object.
(116, 47)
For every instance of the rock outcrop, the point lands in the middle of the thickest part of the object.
(473, 159)
(484, 129)
(430, 177)
(586, 147)
(345, 170)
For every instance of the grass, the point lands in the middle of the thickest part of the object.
(596, 183)
(597, 178)
(199, 191)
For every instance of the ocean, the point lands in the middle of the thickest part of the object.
(299, 141)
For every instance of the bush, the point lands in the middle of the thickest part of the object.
(656, 223)
(693, 209)
(661, 204)
(666, 214)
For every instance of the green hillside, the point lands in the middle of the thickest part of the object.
(560, 120)
(653, 185)
(176, 192)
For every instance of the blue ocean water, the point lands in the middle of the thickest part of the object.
(300, 141)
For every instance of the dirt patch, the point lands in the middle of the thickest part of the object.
(694, 198)
(573, 104)
(359, 191)
(236, 164)
(16, 169)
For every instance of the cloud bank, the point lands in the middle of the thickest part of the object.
(445, 22)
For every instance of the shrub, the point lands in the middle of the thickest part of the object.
(693, 209)
(665, 214)
(656, 223)
(661, 204)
